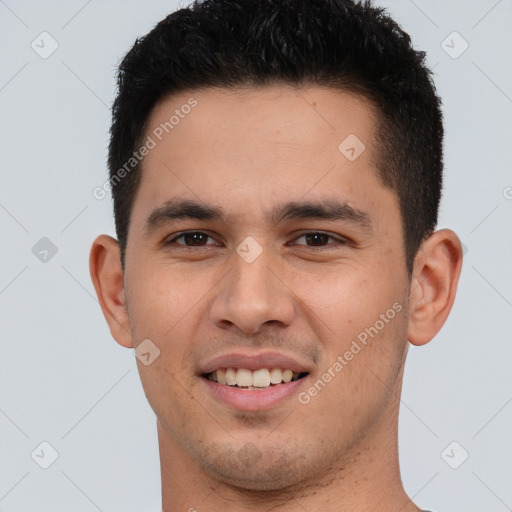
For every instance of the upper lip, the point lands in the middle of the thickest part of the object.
(254, 361)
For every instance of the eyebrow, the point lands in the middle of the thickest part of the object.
(328, 209)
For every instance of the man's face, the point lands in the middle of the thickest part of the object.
(294, 292)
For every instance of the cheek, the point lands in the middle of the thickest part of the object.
(163, 308)
(346, 300)
(160, 297)
(166, 305)
(362, 359)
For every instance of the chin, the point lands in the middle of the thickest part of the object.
(253, 469)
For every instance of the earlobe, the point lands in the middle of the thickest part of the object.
(434, 284)
(107, 277)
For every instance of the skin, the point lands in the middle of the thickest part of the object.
(246, 151)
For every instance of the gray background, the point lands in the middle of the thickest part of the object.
(65, 381)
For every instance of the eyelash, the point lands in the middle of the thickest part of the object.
(338, 241)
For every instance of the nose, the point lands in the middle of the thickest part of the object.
(252, 295)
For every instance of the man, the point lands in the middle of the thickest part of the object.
(276, 169)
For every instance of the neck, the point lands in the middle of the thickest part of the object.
(365, 479)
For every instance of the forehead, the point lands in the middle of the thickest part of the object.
(249, 148)
(284, 120)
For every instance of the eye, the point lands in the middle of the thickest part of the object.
(320, 239)
(314, 239)
(191, 239)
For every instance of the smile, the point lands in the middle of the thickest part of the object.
(254, 381)
(262, 378)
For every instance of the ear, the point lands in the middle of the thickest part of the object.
(107, 277)
(434, 282)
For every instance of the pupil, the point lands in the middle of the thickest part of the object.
(193, 237)
(317, 235)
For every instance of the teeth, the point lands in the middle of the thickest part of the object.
(261, 378)
(230, 377)
(221, 376)
(287, 375)
(276, 376)
(244, 378)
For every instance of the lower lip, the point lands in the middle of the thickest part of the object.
(254, 400)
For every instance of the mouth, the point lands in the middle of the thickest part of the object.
(254, 381)
(260, 379)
